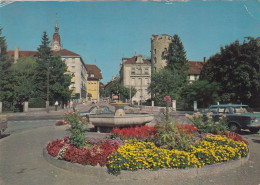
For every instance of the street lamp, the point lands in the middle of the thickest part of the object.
(48, 86)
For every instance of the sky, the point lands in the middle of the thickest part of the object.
(105, 32)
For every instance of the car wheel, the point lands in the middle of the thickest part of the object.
(234, 127)
(254, 130)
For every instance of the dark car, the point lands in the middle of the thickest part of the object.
(238, 116)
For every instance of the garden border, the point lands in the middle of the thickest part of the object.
(162, 174)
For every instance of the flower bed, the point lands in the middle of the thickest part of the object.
(166, 145)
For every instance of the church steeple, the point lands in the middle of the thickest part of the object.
(56, 25)
(56, 41)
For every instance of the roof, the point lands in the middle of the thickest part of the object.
(93, 70)
(65, 52)
(133, 60)
(195, 67)
(22, 54)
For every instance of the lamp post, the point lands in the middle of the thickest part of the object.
(48, 86)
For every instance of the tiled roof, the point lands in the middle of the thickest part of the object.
(133, 60)
(22, 54)
(65, 52)
(195, 67)
(93, 69)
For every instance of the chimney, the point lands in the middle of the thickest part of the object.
(16, 54)
(204, 59)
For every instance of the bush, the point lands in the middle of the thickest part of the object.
(37, 103)
(206, 124)
(76, 128)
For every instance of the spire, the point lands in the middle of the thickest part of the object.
(56, 25)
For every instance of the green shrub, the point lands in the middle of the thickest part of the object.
(207, 124)
(76, 128)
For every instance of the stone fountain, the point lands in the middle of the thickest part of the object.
(119, 118)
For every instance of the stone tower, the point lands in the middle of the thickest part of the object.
(159, 51)
(56, 42)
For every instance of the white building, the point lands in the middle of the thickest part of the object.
(136, 72)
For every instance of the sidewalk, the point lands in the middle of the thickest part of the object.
(52, 112)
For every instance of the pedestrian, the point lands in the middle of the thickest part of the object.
(56, 105)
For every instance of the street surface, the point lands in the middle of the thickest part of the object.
(22, 162)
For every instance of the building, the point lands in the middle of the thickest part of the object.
(93, 83)
(159, 52)
(194, 70)
(76, 66)
(136, 72)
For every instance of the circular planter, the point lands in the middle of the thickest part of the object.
(166, 174)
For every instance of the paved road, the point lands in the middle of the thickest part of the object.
(22, 163)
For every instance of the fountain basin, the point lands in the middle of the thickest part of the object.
(110, 120)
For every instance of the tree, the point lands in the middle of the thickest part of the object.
(59, 80)
(52, 67)
(176, 59)
(202, 91)
(116, 88)
(5, 63)
(165, 83)
(237, 69)
(44, 57)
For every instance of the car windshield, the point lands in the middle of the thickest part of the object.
(239, 110)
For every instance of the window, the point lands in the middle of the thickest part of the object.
(154, 69)
(140, 81)
(146, 81)
(91, 75)
(155, 60)
(132, 70)
(133, 81)
(146, 71)
(154, 51)
(139, 71)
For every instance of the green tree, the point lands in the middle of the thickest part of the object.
(5, 63)
(116, 88)
(237, 69)
(165, 83)
(176, 59)
(19, 83)
(202, 91)
(59, 81)
(44, 57)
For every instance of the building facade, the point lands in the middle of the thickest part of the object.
(75, 64)
(136, 72)
(93, 83)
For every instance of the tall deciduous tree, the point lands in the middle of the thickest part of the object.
(237, 69)
(115, 88)
(165, 83)
(202, 91)
(21, 86)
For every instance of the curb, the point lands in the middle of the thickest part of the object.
(162, 174)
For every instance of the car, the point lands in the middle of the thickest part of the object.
(238, 116)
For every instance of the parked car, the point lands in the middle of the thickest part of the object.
(3, 124)
(238, 116)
